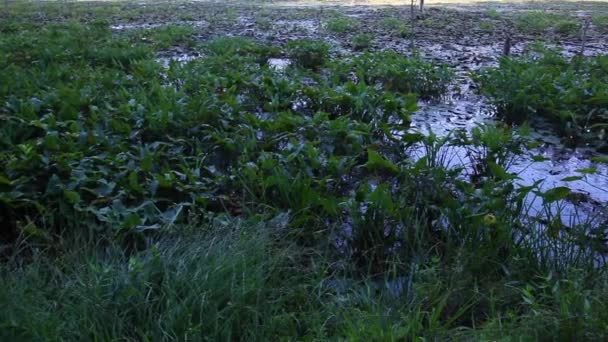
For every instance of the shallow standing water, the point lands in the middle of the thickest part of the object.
(464, 108)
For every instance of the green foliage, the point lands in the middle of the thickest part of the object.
(133, 149)
(601, 22)
(493, 13)
(308, 53)
(165, 37)
(567, 27)
(397, 73)
(391, 23)
(571, 94)
(539, 23)
(192, 286)
(493, 149)
(341, 24)
(264, 23)
(486, 26)
(362, 41)
(239, 281)
(220, 199)
(238, 46)
(397, 27)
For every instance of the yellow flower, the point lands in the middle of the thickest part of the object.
(489, 219)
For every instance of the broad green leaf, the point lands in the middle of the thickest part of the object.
(571, 179)
(500, 171)
(556, 194)
(600, 160)
(72, 196)
(5, 181)
(31, 229)
(588, 170)
(376, 162)
(134, 182)
(539, 158)
(381, 197)
(52, 142)
(131, 221)
(105, 188)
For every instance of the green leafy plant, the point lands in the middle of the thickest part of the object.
(600, 21)
(397, 73)
(164, 37)
(396, 26)
(486, 26)
(492, 13)
(569, 93)
(341, 24)
(219, 199)
(362, 41)
(538, 23)
(308, 53)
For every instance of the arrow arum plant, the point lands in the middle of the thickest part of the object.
(571, 94)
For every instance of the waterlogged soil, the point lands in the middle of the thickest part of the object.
(466, 38)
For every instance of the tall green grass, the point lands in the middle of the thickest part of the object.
(235, 282)
(248, 280)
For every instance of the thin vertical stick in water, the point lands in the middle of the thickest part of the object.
(584, 35)
(413, 19)
(506, 50)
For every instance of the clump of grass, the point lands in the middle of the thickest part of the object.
(186, 17)
(235, 280)
(238, 46)
(216, 285)
(362, 41)
(230, 15)
(492, 13)
(391, 23)
(263, 23)
(567, 27)
(164, 37)
(403, 32)
(341, 24)
(397, 73)
(308, 53)
(486, 26)
(396, 26)
(540, 22)
(601, 22)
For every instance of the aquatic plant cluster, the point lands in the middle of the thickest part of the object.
(224, 199)
(572, 93)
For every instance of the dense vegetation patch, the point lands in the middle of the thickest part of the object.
(572, 94)
(396, 26)
(542, 22)
(102, 130)
(224, 199)
(601, 22)
(362, 41)
(341, 24)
